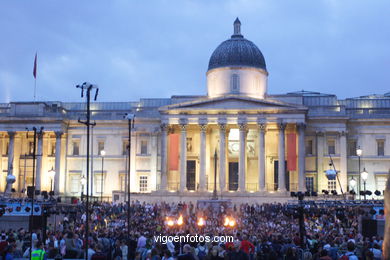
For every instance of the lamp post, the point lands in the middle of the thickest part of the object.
(102, 154)
(130, 120)
(364, 175)
(83, 181)
(52, 174)
(359, 153)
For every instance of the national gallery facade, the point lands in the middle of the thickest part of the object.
(257, 144)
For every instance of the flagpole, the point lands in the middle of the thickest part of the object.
(35, 75)
(35, 88)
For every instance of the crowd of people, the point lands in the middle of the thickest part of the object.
(258, 231)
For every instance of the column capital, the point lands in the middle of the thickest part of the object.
(301, 126)
(242, 126)
(11, 134)
(58, 134)
(343, 133)
(183, 127)
(282, 126)
(222, 127)
(261, 126)
(164, 127)
(203, 127)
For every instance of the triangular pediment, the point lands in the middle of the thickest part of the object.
(232, 103)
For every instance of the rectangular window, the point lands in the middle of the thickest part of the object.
(381, 183)
(309, 147)
(352, 146)
(76, 148)
(75, 184)
(331, 185)
(310, 184)
(144, 147)
(99, 181)
(124, 147)
(122, 179)
(100, 147)
(235, 83)
(30, 148)
(143, 183)
(331, 146)
(381, 147)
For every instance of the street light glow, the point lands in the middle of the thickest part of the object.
(364, 174)
(359, 151)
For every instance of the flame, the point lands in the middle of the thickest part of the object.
(232, 223)
(180, 220)
(201, 222)
(226, 223)
(170, 223)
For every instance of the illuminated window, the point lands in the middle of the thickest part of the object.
(122, 180)
(309, 147)
(30, 148)
(310, 183)
(76, 148)
(380, 147)
(100, 147)
(143, 183)
(75, 184)
(144, 147)
(235, 83)
(124, 147)
(99, 182)
(352, 146)
(52, 148)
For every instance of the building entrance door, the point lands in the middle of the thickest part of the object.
(191, 174)
(233, 176)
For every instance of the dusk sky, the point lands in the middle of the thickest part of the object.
(156, 49)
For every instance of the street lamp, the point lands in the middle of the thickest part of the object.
(359, 153)
(102, 154)
(83, 181)
(52, 174)
(352, 183)
(364, 175)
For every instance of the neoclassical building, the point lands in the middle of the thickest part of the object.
(257, 144)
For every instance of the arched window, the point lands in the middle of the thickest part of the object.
(235, 83)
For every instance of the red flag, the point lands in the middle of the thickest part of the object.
(35, 67)
(291, 152)
(173, 152)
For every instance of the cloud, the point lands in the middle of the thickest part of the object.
(135, 50)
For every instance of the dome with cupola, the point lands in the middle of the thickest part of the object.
(237, 66)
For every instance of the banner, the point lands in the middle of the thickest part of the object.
(291, 152)
(173, 153)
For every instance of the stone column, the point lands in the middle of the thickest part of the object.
(202, 158)
(343, 161)
(222, 157)
(301, 157)
(261, 156)
(183, 157)
(164, 153)
(57, 163)
(242, 158)
(281, 159)
(11, 145)
(39, 162)
(320, 161)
